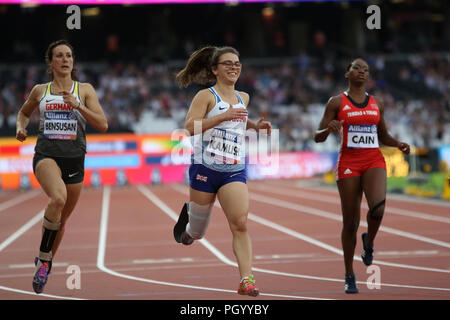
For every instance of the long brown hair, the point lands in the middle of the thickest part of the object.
(198, 69)
(49, 57)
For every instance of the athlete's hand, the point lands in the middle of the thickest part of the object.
(21, 134)
(335, 125)
(264, 125)
(403, 147)
(70, 99)
(235, 114)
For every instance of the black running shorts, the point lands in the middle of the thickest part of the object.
(72, 169)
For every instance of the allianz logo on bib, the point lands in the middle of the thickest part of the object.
(362, 128)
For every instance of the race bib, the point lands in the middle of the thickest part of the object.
(362, 136)
(225, 146)
(61, 125)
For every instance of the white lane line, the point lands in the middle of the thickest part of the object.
(285, 256)
(167, 260)
(38, 217)
(336, 200)
(102, 249)
(31, 265)
(336, 217)
(400, 197)
(153, 198)
(324, 246)
(408, 253)
(19, 199)
(40, 295)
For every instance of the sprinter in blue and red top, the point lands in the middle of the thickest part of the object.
(217, 121)
(361, 168)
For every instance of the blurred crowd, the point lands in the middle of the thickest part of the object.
(291, 93)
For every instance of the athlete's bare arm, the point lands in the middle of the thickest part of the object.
(92, 110)
(329, 122)
(383, 135)
(24, 114)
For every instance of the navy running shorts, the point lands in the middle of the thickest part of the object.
(204, 179)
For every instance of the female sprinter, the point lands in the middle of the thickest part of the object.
(65, 105)
(217, 121)
(361, 168)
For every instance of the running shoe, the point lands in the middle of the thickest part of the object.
(350, 284)
(180, 227)
(367, 255)
(186, 239)
(41, 274)
(248, 287)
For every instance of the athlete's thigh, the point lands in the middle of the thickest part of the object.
(201, 197)
(374, 185)
(48, 175)
(350, 191)
(234, 199)
(73, 194)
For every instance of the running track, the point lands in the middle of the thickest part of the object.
(121, 239)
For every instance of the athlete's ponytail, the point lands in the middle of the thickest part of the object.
(199, 66)
(49, 57)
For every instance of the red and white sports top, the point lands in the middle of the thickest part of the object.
(359, 132)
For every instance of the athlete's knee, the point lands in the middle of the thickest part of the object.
(377, 211)
(239, 223)
(58, 201)
(199, 217)
(350, 227)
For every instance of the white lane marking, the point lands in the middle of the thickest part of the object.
(336, 200)
(167, 260)
(285, 256)
(336, 217)
(38, 217)
(325, 246)
(19, 199)
(40, 295)
(399, 197)
(408, 253)
(153, 198)
(31, 265)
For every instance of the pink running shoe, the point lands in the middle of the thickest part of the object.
(41, 274)
(248, 287)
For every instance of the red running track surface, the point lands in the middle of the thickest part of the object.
(121, 240)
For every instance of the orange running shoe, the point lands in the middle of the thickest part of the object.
(248, 287)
